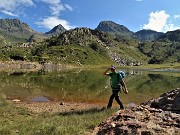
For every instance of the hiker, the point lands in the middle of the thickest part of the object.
(117, 83)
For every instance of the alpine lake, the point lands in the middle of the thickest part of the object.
(85, 85)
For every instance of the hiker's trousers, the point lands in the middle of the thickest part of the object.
(116, 96)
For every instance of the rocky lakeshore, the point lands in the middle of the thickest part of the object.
(159, 116)
(32, 66)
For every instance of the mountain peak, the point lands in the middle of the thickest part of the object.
(114, 29)
(110, 26)
(56, 30)
(12, 25)
(14, 30)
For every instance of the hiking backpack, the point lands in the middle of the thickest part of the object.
(122, 74)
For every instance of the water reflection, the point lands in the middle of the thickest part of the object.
(85, 85)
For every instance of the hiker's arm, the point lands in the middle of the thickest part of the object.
(105, 72)
(124, 86)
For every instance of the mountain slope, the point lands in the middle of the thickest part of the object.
(166, 49)
(172, 36)
(89, 47)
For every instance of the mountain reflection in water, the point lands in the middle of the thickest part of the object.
(88, 86)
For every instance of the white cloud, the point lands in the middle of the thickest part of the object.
(170, 27)
(176, 17)
(68, 7)
(139, 0)
(51, 22)
(162, 22)
(57, 6)
(10, 6)
(8, 13)
(157, 21)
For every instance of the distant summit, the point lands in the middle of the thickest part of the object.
(14, 25)
(114, 29)
(56, 30)
(109, 26)
(15, 31)
(147, 35)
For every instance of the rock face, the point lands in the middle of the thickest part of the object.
(146, 120)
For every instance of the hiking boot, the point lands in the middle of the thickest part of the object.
(121, 108)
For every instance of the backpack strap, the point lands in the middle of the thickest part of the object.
(118, 77)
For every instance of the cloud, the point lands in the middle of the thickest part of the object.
(68, 7)
(56, 6)
(162, 22)
(8, 13)
(157, 21)
(139, 0)
(11, 7)
(51, 22)
(176, 17)
(170, 27)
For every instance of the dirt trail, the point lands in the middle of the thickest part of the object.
(55, 107)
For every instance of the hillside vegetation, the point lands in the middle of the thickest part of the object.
(166, 49)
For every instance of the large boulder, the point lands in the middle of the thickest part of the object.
(169, 101)
(146, 119)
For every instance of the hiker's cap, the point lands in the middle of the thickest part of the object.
(113, 67)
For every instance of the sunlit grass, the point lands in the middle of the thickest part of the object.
(20, 121)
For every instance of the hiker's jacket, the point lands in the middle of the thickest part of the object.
(115, 78)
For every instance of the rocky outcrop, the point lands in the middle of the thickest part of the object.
(169, 101)
(145, 119)
(19, 65)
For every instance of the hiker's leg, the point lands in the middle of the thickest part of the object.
(119, 101)
(111, 100)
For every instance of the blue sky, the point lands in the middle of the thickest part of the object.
(43, 15)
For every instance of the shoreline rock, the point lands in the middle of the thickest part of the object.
(145, 119)
(32, 66)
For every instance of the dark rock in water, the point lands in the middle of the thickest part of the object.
(145, 119)
(169, 101)
(39, 99)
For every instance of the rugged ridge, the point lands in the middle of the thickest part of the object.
(119, 51)
(121, 31)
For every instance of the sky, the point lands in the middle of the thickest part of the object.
(43, 15)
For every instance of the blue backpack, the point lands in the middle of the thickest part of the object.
(122, 74)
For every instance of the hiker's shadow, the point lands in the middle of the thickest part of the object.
(81, 112)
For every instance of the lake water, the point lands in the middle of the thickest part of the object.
(87, 86)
